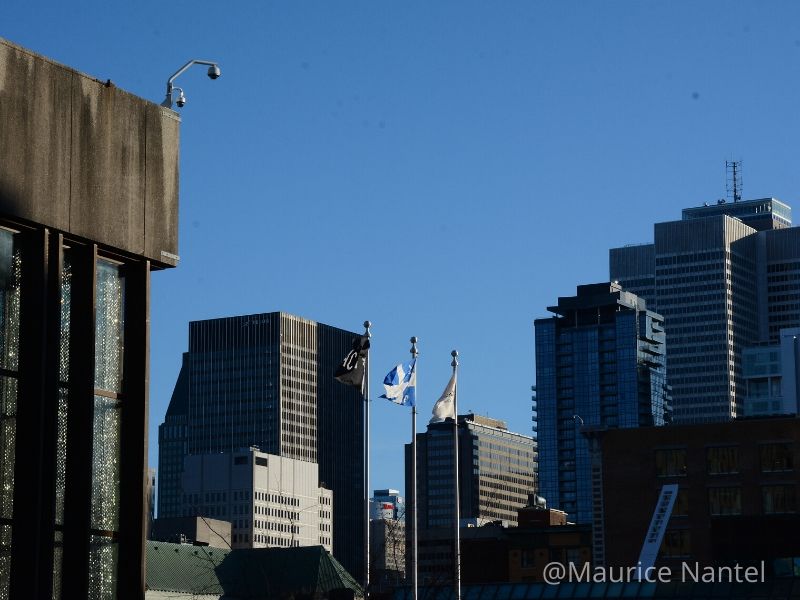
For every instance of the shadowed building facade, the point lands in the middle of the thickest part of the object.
(599, 362)
(88, 207)
(266, 380)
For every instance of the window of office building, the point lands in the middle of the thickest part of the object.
(10, 263)
(670, 463)
(725, 501)
(722, 460)
(676, 544)
(776, 457)
(779, 499)
(681, 507)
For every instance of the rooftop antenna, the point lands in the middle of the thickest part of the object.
(733, 180)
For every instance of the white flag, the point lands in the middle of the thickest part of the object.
(444, 407)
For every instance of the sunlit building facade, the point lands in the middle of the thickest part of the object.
(726, 278)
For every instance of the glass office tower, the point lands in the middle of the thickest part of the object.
(599, 362)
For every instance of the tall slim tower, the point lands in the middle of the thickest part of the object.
(266, 380)
(599, 362)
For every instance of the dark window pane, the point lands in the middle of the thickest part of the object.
(58, 556)
(671, 463)
(66, 304)
(778, 499)
(725, 501)
(10, 264)
(776, 457)
(8, 436)
(5, 559)
(61, 454)
(722, 460)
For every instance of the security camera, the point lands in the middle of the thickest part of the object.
(214, 72)
(181, 101)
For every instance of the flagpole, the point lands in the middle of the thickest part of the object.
(365, 391)
(414, 582)
(457, 541)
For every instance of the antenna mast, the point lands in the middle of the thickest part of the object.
(733, 180)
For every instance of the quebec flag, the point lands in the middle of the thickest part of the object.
(401, 384)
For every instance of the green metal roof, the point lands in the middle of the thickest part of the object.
(245, 574)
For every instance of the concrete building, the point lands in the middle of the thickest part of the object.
(599, 362)
(88, 208)
(198, 531)
(387, 541)
(497, 472)
(725, 278)
(269, 500)
(266, 380)
(738, 491)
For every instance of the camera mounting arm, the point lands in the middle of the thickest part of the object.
(213, 72)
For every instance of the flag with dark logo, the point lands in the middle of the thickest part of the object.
(351, 369)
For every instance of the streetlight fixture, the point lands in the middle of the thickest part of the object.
(213, 73)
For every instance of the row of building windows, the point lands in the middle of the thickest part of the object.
(722, 460)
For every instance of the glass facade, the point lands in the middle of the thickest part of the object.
(599, 362)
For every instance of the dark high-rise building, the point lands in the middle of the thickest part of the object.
(88, 207)
(497, 472)
(599, 362)
(172, 447)
(266, 380)
(725, 277)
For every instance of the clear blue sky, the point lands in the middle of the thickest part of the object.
(444, 169)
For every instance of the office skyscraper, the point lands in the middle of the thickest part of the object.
(266, 380)
(599, 362)
(497, 473)
(725, 277)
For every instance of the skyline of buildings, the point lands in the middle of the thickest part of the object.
(84, 504)
(267, 380)
(725, 277)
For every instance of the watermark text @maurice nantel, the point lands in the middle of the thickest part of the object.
(555, 573)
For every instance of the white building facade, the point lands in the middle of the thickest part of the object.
(269, 500)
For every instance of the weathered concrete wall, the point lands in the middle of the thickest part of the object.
(87, 158)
